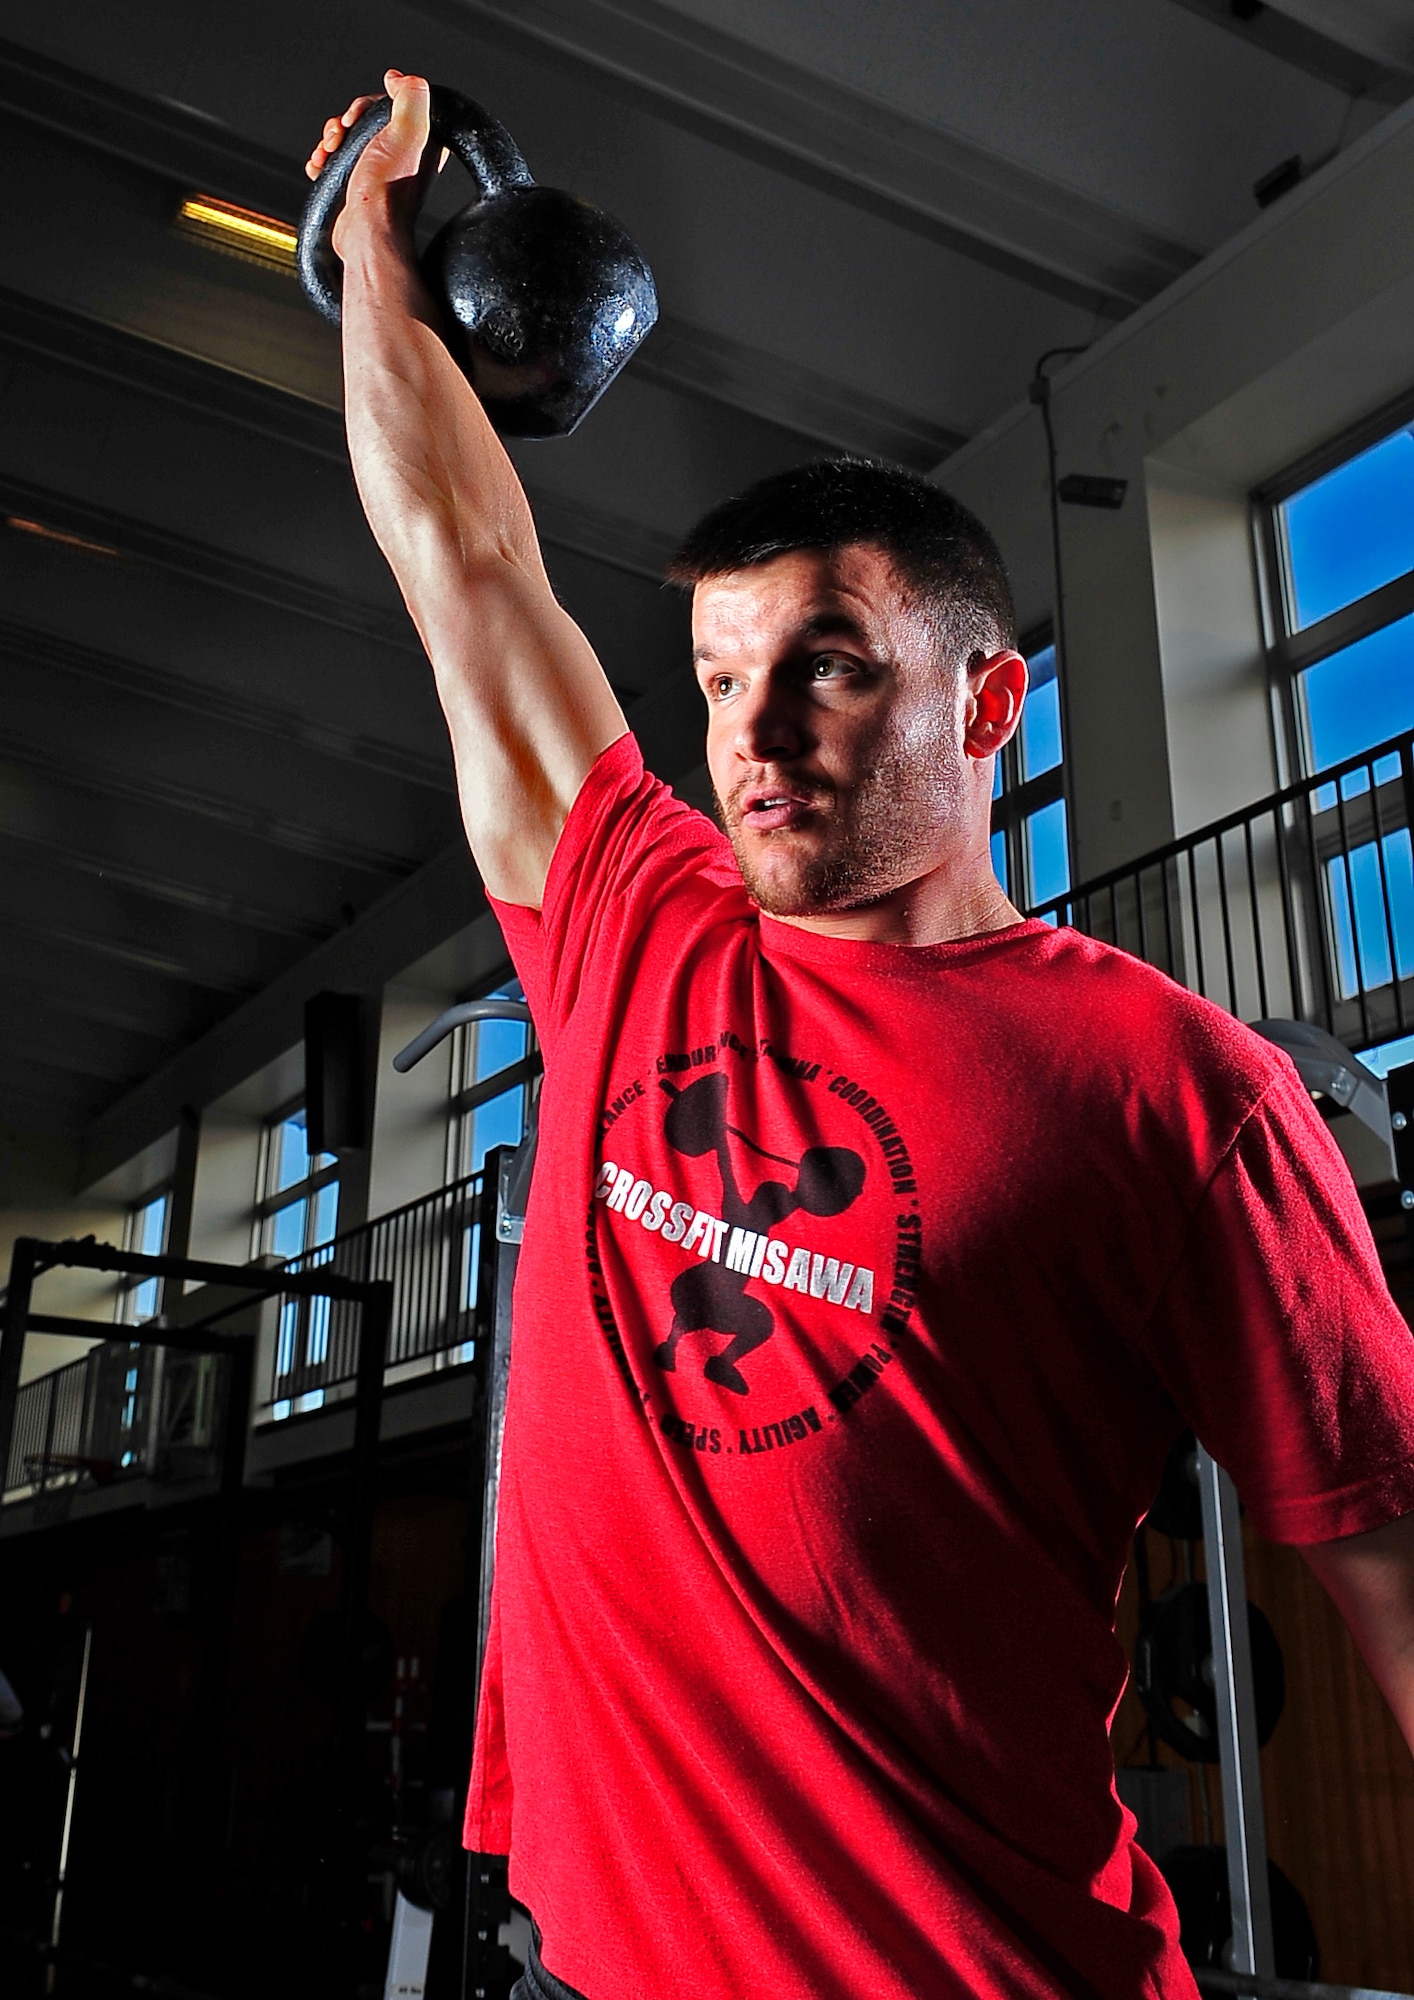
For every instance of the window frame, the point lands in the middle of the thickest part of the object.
(1020, 797)
(465, 1099)
(130, 1284)
(268, 1204)
(1290, 652)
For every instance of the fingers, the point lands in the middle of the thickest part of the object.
(395, 83)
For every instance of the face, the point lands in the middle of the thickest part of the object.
(850, 759)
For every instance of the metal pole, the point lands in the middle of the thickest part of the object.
(240, 1373)
(377, 1320)
(504, 1250)
(1243, 1815)
(51, 1968)
(488, 1968)
(374, 1329)
(23, 1259)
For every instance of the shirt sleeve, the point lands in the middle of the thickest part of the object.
(1278, 1340)
(627, 843)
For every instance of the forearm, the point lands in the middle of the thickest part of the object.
(527, 704)
(433, 477)
(1371, 1580)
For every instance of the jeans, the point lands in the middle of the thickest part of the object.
(538, 1984)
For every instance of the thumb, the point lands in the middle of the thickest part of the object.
(411, 117)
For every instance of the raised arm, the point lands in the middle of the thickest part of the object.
(527, 703)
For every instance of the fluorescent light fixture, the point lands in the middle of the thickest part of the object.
(244, 231)
(48, 534)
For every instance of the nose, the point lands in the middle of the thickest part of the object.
(769, 724)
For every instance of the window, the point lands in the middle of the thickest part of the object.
(1338, 539)
(297, 1211)
(146, 1232)
(1340, 549)
(297, 1205)
(495, 1065)
(1030, 836)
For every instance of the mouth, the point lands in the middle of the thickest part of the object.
(772, 808)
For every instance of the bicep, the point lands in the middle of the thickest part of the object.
(1370, 1578)
(529, 710)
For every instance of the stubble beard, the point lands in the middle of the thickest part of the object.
(874, 837)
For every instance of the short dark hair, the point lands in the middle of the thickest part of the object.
(938, 546)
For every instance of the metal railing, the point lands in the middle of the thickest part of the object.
(1300, 906)
(429, 1249)
(119, 1412)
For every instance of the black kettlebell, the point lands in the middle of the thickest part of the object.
(547, 296)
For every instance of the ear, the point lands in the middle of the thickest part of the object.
(996, 689)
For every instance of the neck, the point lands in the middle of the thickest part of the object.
(935, 909)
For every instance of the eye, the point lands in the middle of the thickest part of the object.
(718, 686)
(832, 667)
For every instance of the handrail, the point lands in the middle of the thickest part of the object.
(1299, 906)
(1229, 823)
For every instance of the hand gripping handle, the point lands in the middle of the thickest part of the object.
(482, 144)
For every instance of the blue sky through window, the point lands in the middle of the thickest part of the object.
(1352, 530)
(1361, 695)
(1362, 936)
(1047, 861)
(1040, 718)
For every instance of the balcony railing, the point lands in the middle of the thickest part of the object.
(118, 1412)
(430, 1250)
(1299, 907)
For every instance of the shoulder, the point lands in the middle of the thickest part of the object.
(1157, 1051)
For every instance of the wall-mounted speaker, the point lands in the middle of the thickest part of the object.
(336, 1092)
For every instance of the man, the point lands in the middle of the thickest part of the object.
(881, 1243)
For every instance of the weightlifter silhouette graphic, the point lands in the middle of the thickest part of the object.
(708, 1298)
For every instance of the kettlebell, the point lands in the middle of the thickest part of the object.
(547, 296)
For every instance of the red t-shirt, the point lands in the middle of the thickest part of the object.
(803, 1653)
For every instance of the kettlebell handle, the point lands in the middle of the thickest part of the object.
(482, 144)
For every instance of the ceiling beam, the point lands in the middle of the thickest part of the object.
(1307, 40)
(856, 148)
(40, 1033)
(139, 1003)
(141, 787)
(104, 864)
(167, 139)
(680, 355)
(201, 562)
(123, 924)
(275, 831)
(320, 738)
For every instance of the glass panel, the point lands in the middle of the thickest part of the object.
(150, 1233)
(145, 1296)
(287, 1230)
(999, 856)
(1047, 859)
(291, 1153)
(1360, 695)
(498, 1045)
(1351, 531)
(1041, 748)
(326, 1212)
(1362, 940)
(499, 1123)
(317, 1346)
(471, 1265)
(289, 1327)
